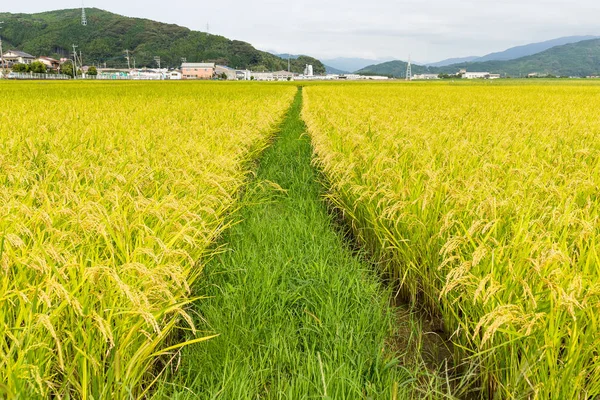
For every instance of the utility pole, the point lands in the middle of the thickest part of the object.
(74, 61)
(157, 59)
(1, 52)
(127, 57)
(288, 63)
(133, 62)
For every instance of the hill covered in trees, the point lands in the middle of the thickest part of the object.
(108, 35)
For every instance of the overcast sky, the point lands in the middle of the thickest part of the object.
(427, 30)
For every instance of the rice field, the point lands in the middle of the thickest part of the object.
(476, 201)
(110, 196)
(481, 202)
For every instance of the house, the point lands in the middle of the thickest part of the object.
(283, 76)
(261, 76)
(197, 70)
(17, 57)
(50, 63)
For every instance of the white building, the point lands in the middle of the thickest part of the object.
(425, 77)
(283, 76)
(174, 75)
(476, 75)
(262, 76)
(17, 57)
(148, 74)
(308, 70)
(243, 74)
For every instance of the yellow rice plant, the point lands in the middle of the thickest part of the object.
(110, 194)
(482, 202)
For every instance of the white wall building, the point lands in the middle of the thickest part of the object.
(476, 75)
(283, 76)
(308, 70)
(262, 76)
(425, 77)
(174, 75)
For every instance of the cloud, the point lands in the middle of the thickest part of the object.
(429, 31)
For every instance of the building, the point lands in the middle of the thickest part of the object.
(17, 57)
(50, 63)
(479, 75)
(230, 73)
(243, 74)
(174, 75)
(262, 76)
(145, 74)
(283, 76)
(425, 77)
(308, 70)
(197, 70)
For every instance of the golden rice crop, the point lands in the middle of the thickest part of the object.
(110, 194)
(483, 202)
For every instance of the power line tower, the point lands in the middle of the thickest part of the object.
(408, 70)
(207, 29)
(83, 17)
(157, 59)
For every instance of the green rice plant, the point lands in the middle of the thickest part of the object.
(481, 202)
(110, 195)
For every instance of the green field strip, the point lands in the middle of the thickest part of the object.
(298, 314)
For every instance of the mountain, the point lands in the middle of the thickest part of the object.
(575, 59)
(108, 35)
(396, 69)
(515, 52)
(531, 49)
(451, 61)
(331, 70)
(352, 64)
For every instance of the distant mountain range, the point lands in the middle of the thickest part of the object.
(352, 64)
(515, 52)
(108, 35)
(581, 58)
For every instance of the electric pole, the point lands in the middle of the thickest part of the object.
(1, 52)
(74, 61)
(127, 57)
(157, 59)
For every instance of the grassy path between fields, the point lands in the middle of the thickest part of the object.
(299, 315)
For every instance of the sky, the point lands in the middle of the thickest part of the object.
(427, 31)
